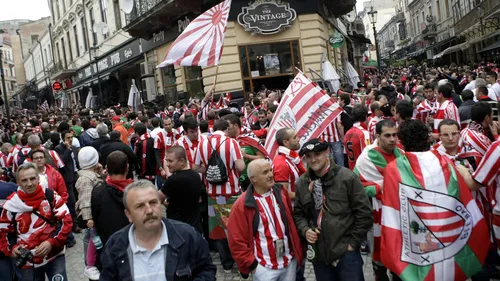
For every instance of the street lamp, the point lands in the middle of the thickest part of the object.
(373, 21)
(4, 88)
(94, 51)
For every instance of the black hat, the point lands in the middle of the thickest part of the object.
(314, 145)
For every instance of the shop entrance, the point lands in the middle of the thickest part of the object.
(268, 66)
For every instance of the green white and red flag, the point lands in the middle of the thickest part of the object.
(432, 228)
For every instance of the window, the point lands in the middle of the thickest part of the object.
(85, 41)
(92, 21)
(118, 15)
(58, 53)
(69, 47)
(169, 82)
(58, 10)
(438, 9)
(194, 81)
(63, 47)
(447, 8)
(270, 65)
(64, 6)
(75, 32)
(104, 10)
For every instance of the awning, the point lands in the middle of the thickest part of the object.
(359, 38)
(452, 49)
(416, 53)
(493, 46)
(485, 37)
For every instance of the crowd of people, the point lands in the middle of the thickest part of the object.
(111, 173)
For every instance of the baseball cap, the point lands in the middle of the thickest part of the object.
(116, 118)
(314, 145)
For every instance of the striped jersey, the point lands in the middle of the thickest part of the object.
(370, 168)
(488, 175)
(355, 140)
(163, 140)
(3, 160)
(473, 143)
(190, 147)
(284, 170)
(230, 152)
(13, 152)
(446, 110)
(271, 229)
(56, 159)
(424, 109)
(331, 132)
(372, 125)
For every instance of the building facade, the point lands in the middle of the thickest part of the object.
(7, 64)
(257, 53)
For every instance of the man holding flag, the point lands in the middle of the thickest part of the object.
(432, 228)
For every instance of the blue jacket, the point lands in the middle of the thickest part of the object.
(188, 257)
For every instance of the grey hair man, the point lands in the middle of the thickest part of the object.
(176, 249)
(102, 132)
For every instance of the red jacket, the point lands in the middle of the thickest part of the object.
(244, 222)
(56, 182)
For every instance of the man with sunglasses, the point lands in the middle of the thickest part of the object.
(332, 209)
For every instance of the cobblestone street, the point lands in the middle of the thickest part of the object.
(75, 265)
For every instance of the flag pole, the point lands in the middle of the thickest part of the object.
(215, 79)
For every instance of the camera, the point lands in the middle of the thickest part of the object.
(23, 258)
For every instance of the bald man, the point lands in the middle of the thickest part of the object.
(264, 213)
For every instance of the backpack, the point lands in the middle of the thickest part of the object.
(216, 169)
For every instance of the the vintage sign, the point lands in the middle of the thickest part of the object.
(336, 40)
(267, 16)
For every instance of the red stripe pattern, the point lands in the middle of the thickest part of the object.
(271, 228)
(230, 151)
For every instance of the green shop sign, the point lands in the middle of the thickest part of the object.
(336, 40)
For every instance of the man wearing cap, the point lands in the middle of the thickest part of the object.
(118, 126)
(333, 210)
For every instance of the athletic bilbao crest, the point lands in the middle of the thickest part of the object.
(434, 226)
(287, 119)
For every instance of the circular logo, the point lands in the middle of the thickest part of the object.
(57, 86)
(310, 252)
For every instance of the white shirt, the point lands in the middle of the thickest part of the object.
(496, 88)
(149, 265)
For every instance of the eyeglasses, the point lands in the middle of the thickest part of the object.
(450, 135)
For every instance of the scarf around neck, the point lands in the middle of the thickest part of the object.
(293, 156)
(33, 199)
(119, 184)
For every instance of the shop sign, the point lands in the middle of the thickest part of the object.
(116, 57)
(266, 16)
(57, 86)
(336, 40)
(164, 36)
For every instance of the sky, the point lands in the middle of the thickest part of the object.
(23, 9)
(359, 5)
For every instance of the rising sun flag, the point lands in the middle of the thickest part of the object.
(202, 41)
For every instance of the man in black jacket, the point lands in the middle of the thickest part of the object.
(69, 156)
(102, 132)
(6, 265)
(115, 144)
(177, 250)
(107, 199)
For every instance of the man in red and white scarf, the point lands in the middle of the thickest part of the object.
(39, 226)
(428, 106)
(145, 151)
(287, 165)
(190, 139)
(446, 108)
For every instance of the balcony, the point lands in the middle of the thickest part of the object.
(148, 16)
(400, 17)
(59, 72)
(472, 17)
(430, 32)
(339, 7)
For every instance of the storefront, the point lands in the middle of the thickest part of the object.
(265, 43)
(111, 77)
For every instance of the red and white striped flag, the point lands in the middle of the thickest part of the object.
(44, 105)
(304, 108)
(202, 41)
